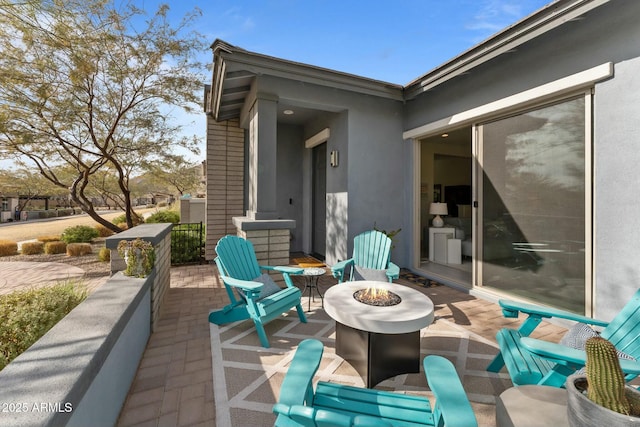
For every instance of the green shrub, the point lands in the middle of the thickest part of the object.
(122, 219)
(164, 216)
(32, 248)
(79, 234)
(47, 214)
(104, 255)
(55, 247)
(27, 315)
(187, 241)
(78, 249)
(8, 248)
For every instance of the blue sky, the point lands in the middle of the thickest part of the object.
(396, 42)
(392, 41)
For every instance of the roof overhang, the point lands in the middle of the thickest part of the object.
(235, 71)
(546, 19)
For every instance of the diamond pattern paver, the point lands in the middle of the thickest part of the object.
(173, 385)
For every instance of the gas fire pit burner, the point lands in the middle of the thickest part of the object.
(377, 297)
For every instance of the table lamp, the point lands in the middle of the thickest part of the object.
(438, 209)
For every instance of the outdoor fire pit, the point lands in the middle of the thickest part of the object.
(377, 296)
(379, 337)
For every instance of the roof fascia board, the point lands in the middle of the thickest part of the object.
(262, 64)
(249, 100)
(533, 26)
(217, 88)
(535, 95)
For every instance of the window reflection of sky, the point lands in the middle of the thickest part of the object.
(533, 232)
(554, 152)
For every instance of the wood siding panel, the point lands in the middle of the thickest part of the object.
(225, 180)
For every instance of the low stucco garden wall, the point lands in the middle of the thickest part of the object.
(79, 373)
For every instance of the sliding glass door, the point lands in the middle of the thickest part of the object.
(535, 209)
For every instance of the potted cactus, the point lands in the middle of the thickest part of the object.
(601, 398)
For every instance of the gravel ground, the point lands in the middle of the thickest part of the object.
(89, 263)
(28, 230)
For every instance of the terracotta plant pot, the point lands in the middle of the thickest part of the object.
(583, 412)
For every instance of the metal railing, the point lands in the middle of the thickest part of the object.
(187, 243)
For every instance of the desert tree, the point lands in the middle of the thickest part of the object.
(27, 185)
(176, 172)
(86, 85)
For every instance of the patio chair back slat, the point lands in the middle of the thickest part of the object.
(623, 331)
(332, 404)
(534, 361)
(239, 268)
(371, 251)
(238, 259)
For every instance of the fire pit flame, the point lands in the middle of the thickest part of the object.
(377, 296)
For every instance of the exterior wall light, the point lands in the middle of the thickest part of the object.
(333, 160)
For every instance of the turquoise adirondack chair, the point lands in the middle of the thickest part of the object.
(256, 296)
(371, 259)
(534, 361)
(336, 405)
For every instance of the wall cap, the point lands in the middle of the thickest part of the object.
(153, 233)
(247, 224)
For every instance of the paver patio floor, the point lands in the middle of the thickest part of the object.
(173, 385)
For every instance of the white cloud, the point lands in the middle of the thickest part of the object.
(237, 19)
(494, 15)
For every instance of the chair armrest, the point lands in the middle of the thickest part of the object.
(283, 269)
(297, 386)
(338, 268)
(245, 285)
(393, 271)
(556, 352)
(511, 309)
(452, 403)
(565, 355)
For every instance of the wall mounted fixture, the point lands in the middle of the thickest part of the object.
(334, 159)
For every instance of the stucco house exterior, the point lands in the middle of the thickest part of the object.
(8, 206)
(530, 138)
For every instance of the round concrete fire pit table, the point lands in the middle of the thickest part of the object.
(380, 342)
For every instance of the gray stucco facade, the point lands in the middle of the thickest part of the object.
(567, 48)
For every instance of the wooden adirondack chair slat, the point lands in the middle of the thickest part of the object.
(237, 260)
(530, 361)
(332, 404)
(371, 250)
